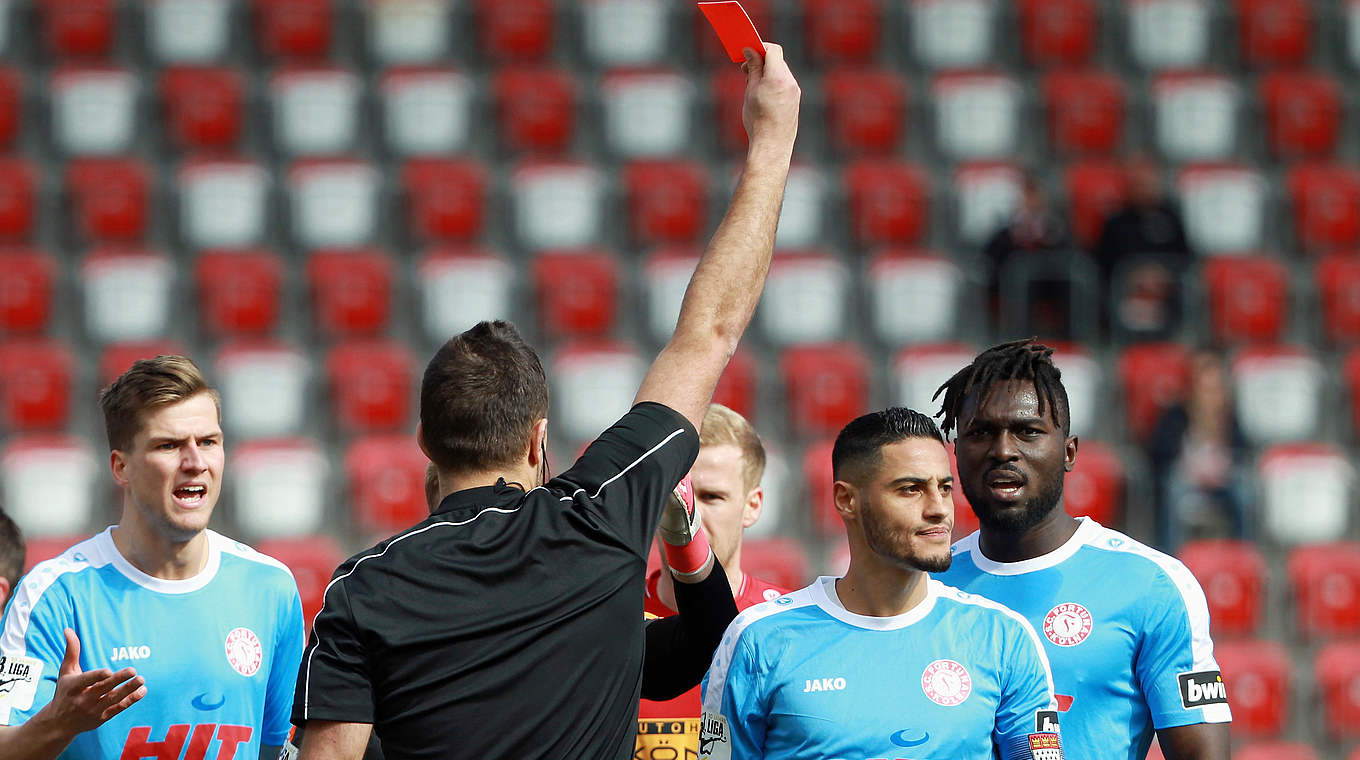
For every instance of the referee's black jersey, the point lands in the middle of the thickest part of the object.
(507, 625)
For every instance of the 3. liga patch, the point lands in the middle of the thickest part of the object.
(1068, 624)
(715, 737)
(18, 681)
(244, 651)
(946, 683)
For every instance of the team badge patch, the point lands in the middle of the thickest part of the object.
(1045, 746)
(244, 651)
(946, 683)
(1068, 624)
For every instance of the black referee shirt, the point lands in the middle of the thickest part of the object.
(507, 625)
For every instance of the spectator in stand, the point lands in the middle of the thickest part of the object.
(1035, 228)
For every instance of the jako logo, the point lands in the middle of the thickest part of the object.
(130, 653)
(824, 684)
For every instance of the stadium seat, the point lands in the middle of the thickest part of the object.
(351, 291)
(1082, 376)
(806, 300)
(333, 203)
(93, 110)
(1337, 279)
(265, 390)
(223, 203)
(41, 548)
(737, 390)
(1224, 208)
(1274, 33)
(117, 358)
(1336, 670)
(801, 217)
(408, 32)
(518, 31)
(77, 28)
(19, 183)
(781, 561)
(953, 34)
(1169, 34)
(1277, 391)
(1326, 205)
(47, 483)
(294, 29)
(461, 287)
(445, 199)
(985, 197)
(315, 110)
(239, 292)
(188, 31)
(710, 49)
(646, 114)
(1233, 575)
(577, 293)
(865, 110)
(1153, 376)
(109, 198)
(842, 31)
(595, 382)
(28, 281)
(1305, 492)
(1195, 116)
(1058, 32)
(35, 384)
(889, 203)
(667, 201)
(977, 115)
(965, 519)
(426, 112)
(1085, 111)
(918, 371)
(128, 294)
(1095, 486)
(1303, 113)
(1325, 582)
(666, 274)
(557, 205)
(1258, 674)
(729, 91)
(914, 296)
(1275, 751)
(819, 487)
(1248, 298)
(266, 475)
(371, 383)
(826, 385)
(1094, 191)
(535, 109)
(386, 475)
(203, 108)
(313, 560)
(626, 32)
(11, 105)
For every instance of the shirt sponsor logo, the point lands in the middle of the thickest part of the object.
(1201, 688)
(715, 740)
(181, 744)
(18, 682)
(1068, 624)
(946, 683)
(1046, 721)
(244, 651)
(1045, 746)
(824, 684)
(130, 653)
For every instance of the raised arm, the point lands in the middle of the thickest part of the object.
(724, 290)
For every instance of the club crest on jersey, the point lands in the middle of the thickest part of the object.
(244, 651)
(1068, 624)
(946, 683)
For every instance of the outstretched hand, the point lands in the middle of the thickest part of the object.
(770, 110)
(85, 700)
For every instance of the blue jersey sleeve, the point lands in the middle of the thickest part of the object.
(1027, 708)
(1174, 664)
(278, 703)
(32, 646)
(733, 723)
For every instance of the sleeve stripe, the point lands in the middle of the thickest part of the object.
(637, 461)
(28, 593)
(722, 657)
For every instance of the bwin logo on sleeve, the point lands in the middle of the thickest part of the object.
(1202, 688)
(715, 739)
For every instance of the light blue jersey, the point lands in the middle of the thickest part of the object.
(1127, 631)
(956, 677)
(219, 651)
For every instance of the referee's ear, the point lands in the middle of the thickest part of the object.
(420, 441)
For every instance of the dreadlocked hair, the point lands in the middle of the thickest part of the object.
(1017, 360)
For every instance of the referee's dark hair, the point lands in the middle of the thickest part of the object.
(12, 554)
(1017, 360)
(480, 397)
(859, 446)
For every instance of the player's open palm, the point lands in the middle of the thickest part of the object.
(772, 95)
(84, 700)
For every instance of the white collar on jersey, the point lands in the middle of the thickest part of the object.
(1086, 532)
(823, 592)
(161, 585)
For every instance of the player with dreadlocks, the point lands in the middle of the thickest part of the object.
(1125, 627)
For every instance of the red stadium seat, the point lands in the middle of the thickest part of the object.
(965, 519)
(1195, 116)
(889, 202)
(920, 370)
(445, 198)
(351, 291)
(1326, 205)
(558, 205)
(577, 293)
(842, 30)
(1085, 111)
(203, 107)
(239, 292)
(35, 384)
(313, 560)
(1325, 580)
(461, 287)
(737, 387)
(1094, 191)
(267, 474)
(1169, 34)
(315, 110)
(729, 91)
(294, 29)
(1258, 675)
(27, 284)
(596, 382)
(1248, 298)
(1224, 208)
(646, 114)
(1337, 279)
(865, 110)
(1305, 492)
(953, 34)
(986, 195)
(48, 483)
(1095, 487)
(522, 30)
(18, 185)
(1337, 673)
(426, 112)
(1274, 32)
(977, 115)
(118, 358)
(807, 298)
(826, 385)
(1153, 376)
(667, 201)
(41, 548)
(386, 482)
(110, 197)
(1082, 374)
(371, 385)
(264, 387)
(1303, 113)
(128, 294)
(535, 108)
(914, 295)
(408, 32)
(1277, 391)
(1275, 751)
(781, 561)
(333, 203)
(1058, 32)
(11, 105)
(187, 31)
(223, 203)
(710, 49)
(77, 28)
(1233, 575)
(819, 487)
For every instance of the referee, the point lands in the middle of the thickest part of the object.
(506, 625)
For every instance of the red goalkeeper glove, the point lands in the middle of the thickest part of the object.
(682, 532)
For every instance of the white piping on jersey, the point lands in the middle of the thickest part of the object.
(36, 583)
(307, 684)
(1086, 533)
(963, 597)
(722, 657)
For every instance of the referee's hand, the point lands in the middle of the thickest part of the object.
(770, 111)
(84, 700)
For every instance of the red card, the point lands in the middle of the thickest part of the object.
(734, 28)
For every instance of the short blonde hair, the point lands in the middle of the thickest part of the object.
(149, 385)
(724, 427)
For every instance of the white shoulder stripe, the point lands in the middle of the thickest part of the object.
(237, 549)
(86, 555)
(963, 597)
(722, 657)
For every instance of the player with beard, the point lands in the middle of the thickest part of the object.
(1125, 626)
(883, 661)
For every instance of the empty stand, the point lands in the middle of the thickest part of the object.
(1095, 189)
(27, 285)
(1195, 116)
(952, 34)
(1274, 33)
(802, 217)
(865, 110)
(36, 375)
(426, 112)
(1095, 486)
(1248, 298)
(128, 294)
(110, 198)
(595, 383)
(461, 287)
(914, 296)
(1153, 376)
(48, 484)
(93, 110)
(977, 115)
(577, 293)
(1233, 575)
(1303, 113)
(729, 90)
(965, 519)
(316, 110)
(371, 382)
(333, 203)
(666, 274)
(1325, 583)
(1224, 208)
(1085, 111)
(1168, 34)
(558, 205)
(312, 560)
(11, 105)
(647, 113)
(386, 475)
(1325, 205)
(1058, 32)
(239, 292)
(203, 108)
(819, 486)
(1351, 375)
(889, 202)
(264, 388)
(1278, 393)
(781, 561)
(667, 201)
(188, 31)
(1336, 670)
(77, 28)
(117, 358)
(445, 198)
(737, 390)
(223, 203)
(297, 30)
(351, 291)
(1305, 492)
(1259, 681)
(535, 108)
(1275, 751)
(18, 198)
(522, 30)
(985, 196)
(625, 32)
(408, 32)
(920, 370)
(41, 548)
(842, 30)
(267, 474)
(826, 385)
(806, 298)
(1337, 280)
